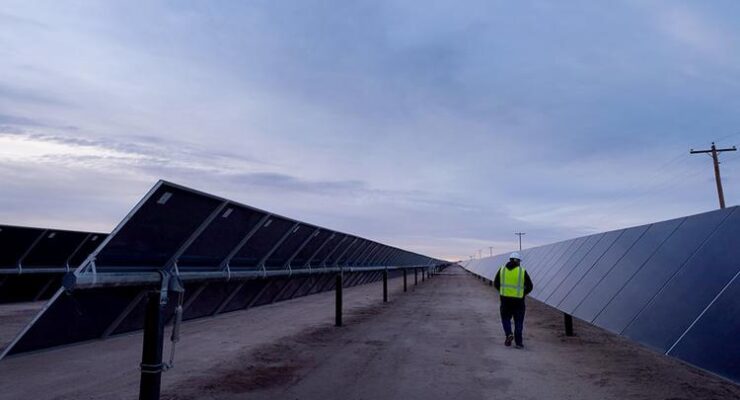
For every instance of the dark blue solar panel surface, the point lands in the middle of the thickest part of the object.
(261, 243)
(556, 267)
(91, 243)
(661, 266)
(582, 281)
(593, 300)
(289, 246)
(612, 317)
(691, 289)
(53, 249)
(15, 240)
(572, 261)
(221, 236)
(327, 248)
(712, 343)
(576, 273)
(551, 265)
(157, 230)
(302, 257)
(671, 285)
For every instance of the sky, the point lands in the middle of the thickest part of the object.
(442, 127)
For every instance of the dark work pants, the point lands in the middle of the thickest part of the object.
(511, 307)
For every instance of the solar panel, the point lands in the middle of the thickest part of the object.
(229, 256)
(671, 286)
(33, 260)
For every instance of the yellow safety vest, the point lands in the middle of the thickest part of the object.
(512, 282)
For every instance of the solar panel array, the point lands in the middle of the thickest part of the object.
(33, 260)
(672, 286)
(228, 255)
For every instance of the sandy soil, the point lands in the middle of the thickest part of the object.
(441, 341)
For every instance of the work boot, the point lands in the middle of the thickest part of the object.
(519, 346)
(509, 339)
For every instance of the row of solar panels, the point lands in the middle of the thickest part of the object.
(180, 229)
(35, 250)
(672, 286)
(229, 256)
(33, 260)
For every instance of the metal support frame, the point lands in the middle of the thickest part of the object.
(273, 249)
(568, 319)
(306, 280)
(352, 279)
(172, 262)
(362, 257)
(228, 298)
(77, 250)
(361, 246)
(225, 262)
(317, 280)
(300, 248)
(328, 284)
(362, 278)
(44, 288)
(385, 286)
(191, 299)
(331, 252)
(377, 256)
(258, 295)
(339, 257)
(19, 264)
(390, 256)
(397, 260)
(280, 292)
(316, 252)
(151, 356)
(416, 276)
(405, 284)
(122, 316)
(338, 301)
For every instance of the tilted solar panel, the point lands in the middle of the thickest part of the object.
(33, 260)
(228, 256)
(671, 286)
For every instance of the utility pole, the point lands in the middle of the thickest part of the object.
(520, 234)
(490, 250)
(480, 251)
(714, 151)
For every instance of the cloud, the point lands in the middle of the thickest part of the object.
(441, 128)
(688, 27)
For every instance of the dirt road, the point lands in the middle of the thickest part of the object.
(441, 341)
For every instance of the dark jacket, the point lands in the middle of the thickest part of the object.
(527, 281)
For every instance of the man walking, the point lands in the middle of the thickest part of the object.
(513, 283)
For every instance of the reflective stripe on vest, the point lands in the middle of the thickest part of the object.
(512, 282)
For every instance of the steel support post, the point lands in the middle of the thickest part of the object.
(338, 291)
(416, 277)
(385, 286)
(405, 286)
(423, 272)
(151, 357)
(568, 324)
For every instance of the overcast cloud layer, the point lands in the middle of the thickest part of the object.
(442, 127)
